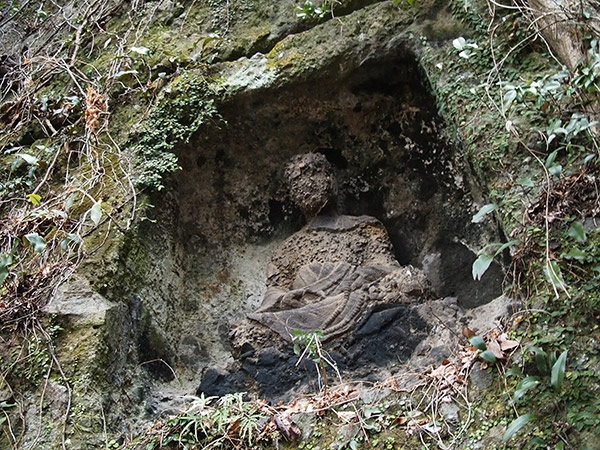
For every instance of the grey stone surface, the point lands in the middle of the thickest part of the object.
(451, 413)
(77, 300)
(305, 422)
(488, 316)
(480, 378)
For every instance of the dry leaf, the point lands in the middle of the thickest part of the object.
(495, 348)
(505, 343)
(346, 416)
(467, 332)
(289, 429)
(399, 421)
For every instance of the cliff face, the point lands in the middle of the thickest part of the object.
(168, 126)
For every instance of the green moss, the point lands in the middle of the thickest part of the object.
(183, 107)
(285, 60)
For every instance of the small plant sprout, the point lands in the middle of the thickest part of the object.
(308, 345)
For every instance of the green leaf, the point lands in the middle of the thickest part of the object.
(478, 343)
(73, 100)
(558, 371)
(71, 238)
(29, 159)
(551, 157)
(512, 372)
(516, 425)
(506, 245)
(6, 259)
(120, 74)
(555, 170)
(541, 359)
(459, 43)
(552, 359)
(488, 356)
(38, 242)
(577, 232)
(96, 213)
(536, 441)
(560, 445)
(481, 264)
(525, 386)
(553, 275)
(509, 97)
(34, 198)
(589, 158)
(526, 182)
(70, 201)
(575, 253)
(485, 209)
(140, 50)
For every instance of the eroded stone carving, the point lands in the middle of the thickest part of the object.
(334, 272)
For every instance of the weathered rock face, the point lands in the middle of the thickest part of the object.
(228, 210)
(201, 264)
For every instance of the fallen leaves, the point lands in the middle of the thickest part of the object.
(500, 344)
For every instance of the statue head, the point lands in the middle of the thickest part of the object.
(311, 183)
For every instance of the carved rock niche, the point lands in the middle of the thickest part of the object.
(227, 211)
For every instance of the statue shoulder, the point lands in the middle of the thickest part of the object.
(342, 223)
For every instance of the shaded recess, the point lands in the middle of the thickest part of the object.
(379, 128)
(227, 210)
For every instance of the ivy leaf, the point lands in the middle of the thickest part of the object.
(96, 213)
(486, 209)
(29, 159)
(516, 425)
(38, 242)
(558, 371)
(577, 232)
(481, 264)
(70, 239)
(459, 43)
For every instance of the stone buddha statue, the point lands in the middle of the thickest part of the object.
(333, 273)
